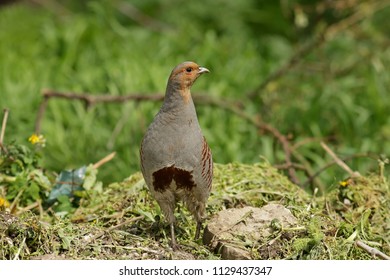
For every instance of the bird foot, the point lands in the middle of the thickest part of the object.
(198, 228)
(175, 246)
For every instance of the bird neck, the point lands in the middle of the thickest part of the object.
(178, 98)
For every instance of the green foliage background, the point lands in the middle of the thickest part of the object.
(339, 92)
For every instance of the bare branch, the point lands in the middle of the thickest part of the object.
(328, 34)
(329, 164)
(41, 112)
(101, 233)
(52, 6)
(372, 251)
(303, 51)
(104, 160)
(339, 162)
(235, 107)
(3, 126)
(89, 99)
(141, 18)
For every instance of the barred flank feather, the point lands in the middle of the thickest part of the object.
(207, 164)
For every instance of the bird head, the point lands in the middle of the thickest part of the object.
(185, 74)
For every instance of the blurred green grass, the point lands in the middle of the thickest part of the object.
(340, 92)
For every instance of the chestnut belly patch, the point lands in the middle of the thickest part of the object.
(163, 178)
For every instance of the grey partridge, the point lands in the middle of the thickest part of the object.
(176, 161)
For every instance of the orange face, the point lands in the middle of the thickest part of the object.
(186, 74)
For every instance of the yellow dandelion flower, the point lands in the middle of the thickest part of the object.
(33, 139)
(37, 140)
(344, 183)
(4, 203)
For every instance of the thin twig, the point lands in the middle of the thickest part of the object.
(20, 249)
(327, 34)
(362, 11)
(287, 150)
(104, 160)
(16, 200)
(53, 6)
(235, 107)
(382, 163)
(141, 18)
(142, 249)
(276, 134)
(3, 126)
(309, 170)
(100, 234)
(89, 100)
(92, 99)
(40, 114)
(284, 166)
(302, 52)
(339, 162)
(117, 129)
(29, 207)
(329, 164)
(306, 141)
(312, 199)
(36, 204)
(372, 251)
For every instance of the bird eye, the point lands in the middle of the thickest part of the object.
(189, 69)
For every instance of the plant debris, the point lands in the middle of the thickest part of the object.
(124, 222)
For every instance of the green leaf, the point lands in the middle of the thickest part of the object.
(37, 176)
(64, 205)
(90, 177)
(148, 215)
(33, 191)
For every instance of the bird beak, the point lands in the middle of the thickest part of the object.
(203, 70)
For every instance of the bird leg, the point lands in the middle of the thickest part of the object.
(197, 232)
(174, 244)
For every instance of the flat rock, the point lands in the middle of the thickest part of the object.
(232, 232)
